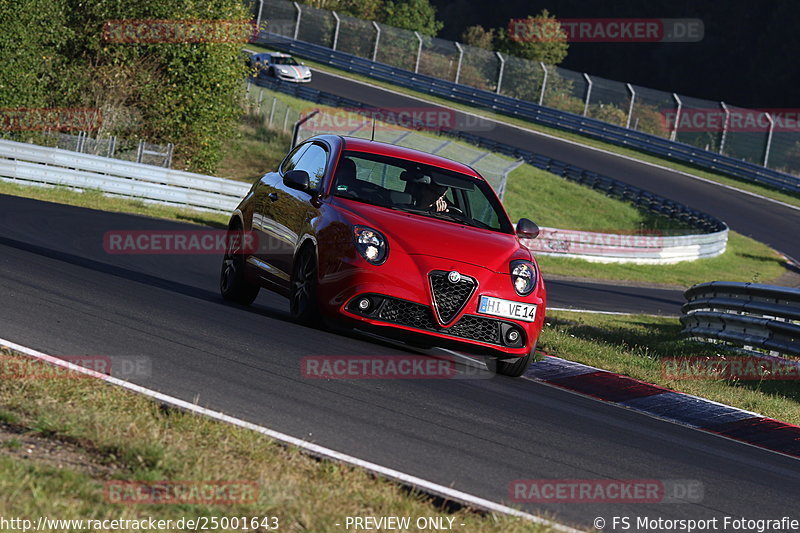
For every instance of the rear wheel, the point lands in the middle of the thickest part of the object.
(232, 284)
(303, 304)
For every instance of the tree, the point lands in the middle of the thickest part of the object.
(538, 38)
(478, 36)
(414, 15)
(364, 9)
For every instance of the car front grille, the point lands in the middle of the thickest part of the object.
(449, 297)
(414, 315)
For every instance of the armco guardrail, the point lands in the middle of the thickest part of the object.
(763, 319)
(643, 248)
(38, 165)
(618, 135)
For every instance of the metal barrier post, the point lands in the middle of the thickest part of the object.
(460, 57)
(724, 127)
(258, 16)
(286, 118)
(336, 30)
(272, 111)
(630, 107)
(674, 133)
(419, 52)
(544, 82)
(769, 138)
(296, 128)
(377, 40)
(588, 93)
(500, 73)
(297, 22)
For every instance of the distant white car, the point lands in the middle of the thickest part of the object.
(281, 66)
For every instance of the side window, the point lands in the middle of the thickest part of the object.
(290, 163)
(314, 160)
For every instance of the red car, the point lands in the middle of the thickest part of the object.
(392, 240)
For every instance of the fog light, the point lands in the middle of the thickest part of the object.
(512, 336)
(364, 304)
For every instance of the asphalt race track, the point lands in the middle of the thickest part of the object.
(64, 295)
(763, 220)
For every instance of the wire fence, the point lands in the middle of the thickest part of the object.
(770, 138)
(137, 151)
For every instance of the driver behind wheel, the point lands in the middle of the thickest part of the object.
(431, 196)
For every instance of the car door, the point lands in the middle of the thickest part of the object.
(270, 234)
(292, 211)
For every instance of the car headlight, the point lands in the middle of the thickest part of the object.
(523, 276)
(371, 244)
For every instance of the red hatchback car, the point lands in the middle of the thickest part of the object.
(391, 240)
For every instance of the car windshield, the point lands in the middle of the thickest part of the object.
(284, 61)
(420, 189)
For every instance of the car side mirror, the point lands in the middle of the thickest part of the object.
(527, 229)
(297, 179)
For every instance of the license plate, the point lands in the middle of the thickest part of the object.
(507, 309)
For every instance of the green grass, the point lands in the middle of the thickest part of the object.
(588, 141)
(552, 201)
(744, 260)
(255, 151)
(114, 435)
(636, 346)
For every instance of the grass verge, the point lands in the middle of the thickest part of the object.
(67, 441)
(588, 141)
(637, 345)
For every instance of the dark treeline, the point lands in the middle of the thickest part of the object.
(749, 56)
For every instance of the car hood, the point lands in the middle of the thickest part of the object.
(420, 235)
(294, 70)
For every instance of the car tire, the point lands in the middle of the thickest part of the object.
(232, 283)
(513, 369)
(303, 304)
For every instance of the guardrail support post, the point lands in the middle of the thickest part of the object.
(297, 22)
(296, 128)
(168, 158)
(272, 111)
(139, 152)
(419, 52)
(674, 133)
(286, 118)
(630, 106)
(377, 40)
(544, 82)
(588, 93)
(336, 30)
(460, 57)
(769, 138)
(500, 74)
(724, 127)
(258, 16)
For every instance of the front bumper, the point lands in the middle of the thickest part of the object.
(400, 307)
(293, 78)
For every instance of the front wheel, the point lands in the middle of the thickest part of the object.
(303, 304)
(514, 368)
(232, 284)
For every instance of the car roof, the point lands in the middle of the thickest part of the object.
(409, 154)
(278, 54)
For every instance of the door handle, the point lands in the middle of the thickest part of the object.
(273, 196)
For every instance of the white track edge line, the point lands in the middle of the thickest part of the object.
(569, 141)
(440, 490)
